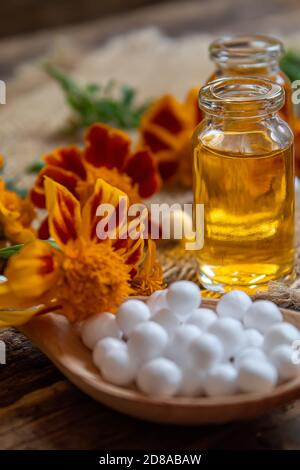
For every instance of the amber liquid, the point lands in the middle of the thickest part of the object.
(248, 214)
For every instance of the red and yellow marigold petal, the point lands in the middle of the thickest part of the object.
(64, 177)
(148, 277)
(192, 107)
(69, 159)
(167, 113)
(64, 214)
(142, 169)
(31, 273)
(114, 208)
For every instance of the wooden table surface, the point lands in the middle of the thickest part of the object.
(40, 409)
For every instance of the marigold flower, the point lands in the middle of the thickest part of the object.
(149, 278)
(85, 275)
(167, 128)
(16, 216)
(107, 155)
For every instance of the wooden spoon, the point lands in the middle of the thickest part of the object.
(60, 341)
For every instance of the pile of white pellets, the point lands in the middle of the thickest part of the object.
(171, 346)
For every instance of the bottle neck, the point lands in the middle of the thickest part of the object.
(237, 123)
(241, 97)
(231, 68)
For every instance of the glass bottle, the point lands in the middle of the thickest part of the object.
(244, 176)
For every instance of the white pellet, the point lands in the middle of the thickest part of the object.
(280, 333)
(177, 349)
(130, 314)
(230, 332)
(221, 380)
(167, 320)
(282, 358)
(261, 315)
(159, 377)
(249, 352)
(117, 367)
(253, 338)
(104, 346)
(147, 341)
(234, 304)
(203, 318)
(192, 383)
(256, 376)
(183, 297)
(98, 327)
(157, 301)
(206, 351)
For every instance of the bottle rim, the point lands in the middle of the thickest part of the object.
(246, 50)
(241, 97)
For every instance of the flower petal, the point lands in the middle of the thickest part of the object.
(60, 175)
(43, 231)
(106, 146)
(142, 170)
(149, 277)
(168, 167)
(64, 214)
(192, 106)
(15, 317)
(130, 244)
(166, 113)
(104, 193)
(19, 316)
(68, 158)
(16, 216)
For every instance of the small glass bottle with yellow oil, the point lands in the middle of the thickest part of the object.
(258, 56)
(244, 176)
(252, 56)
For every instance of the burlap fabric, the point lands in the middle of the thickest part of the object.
(33, 120)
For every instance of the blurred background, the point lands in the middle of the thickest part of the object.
(25, 16)
(27, 27)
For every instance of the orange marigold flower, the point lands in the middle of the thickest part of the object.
(149, 277)
(85, 275)
(16, 216)
(167, 128)
(107, 155)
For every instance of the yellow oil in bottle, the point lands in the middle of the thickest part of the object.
(248, 212)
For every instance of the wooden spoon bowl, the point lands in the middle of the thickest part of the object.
(60, 341)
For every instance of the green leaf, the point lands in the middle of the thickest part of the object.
(7, 252)
(11, 185)
(93, 103)
(35, 167)
(290, 64)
